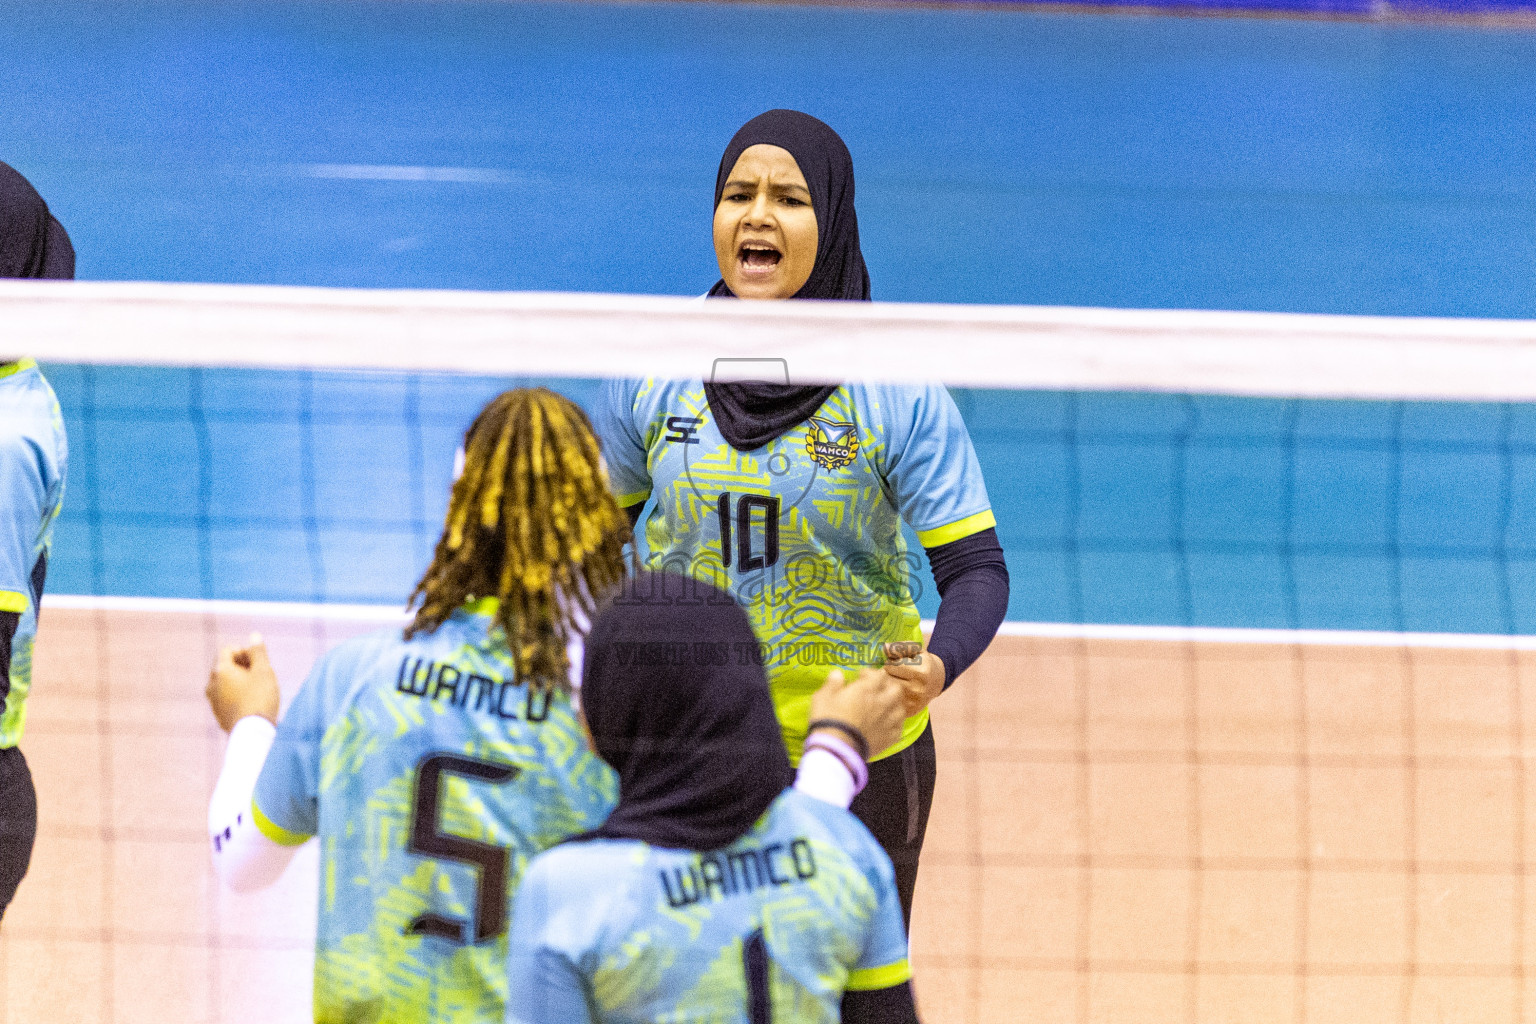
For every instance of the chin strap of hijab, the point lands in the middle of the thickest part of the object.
(751, 415)
(689, 729)
(32, 242)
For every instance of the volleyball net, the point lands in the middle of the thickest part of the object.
(1252, 744)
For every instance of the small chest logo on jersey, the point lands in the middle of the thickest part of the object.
(682, 429)
(831, 445)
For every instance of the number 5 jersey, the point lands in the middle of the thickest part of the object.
(431, 780)
(805, 531)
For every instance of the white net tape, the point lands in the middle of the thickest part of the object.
(1190, 352)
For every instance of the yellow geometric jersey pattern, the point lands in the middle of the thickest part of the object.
(431, 780)
(645, 934)
(806, 530)
(34, 457)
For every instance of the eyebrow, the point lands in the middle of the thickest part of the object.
(752, 185)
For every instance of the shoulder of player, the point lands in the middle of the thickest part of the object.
(647, 388)
(355, 660)
(384, 640)
(655, 402)
(896, 405)
(577, 898)
(588, 875)
(31, 433)
(652, 393)
(29, 403)
(645, 398)
(834, 825)
(385, 647)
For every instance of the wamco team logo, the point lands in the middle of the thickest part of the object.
(831, 445)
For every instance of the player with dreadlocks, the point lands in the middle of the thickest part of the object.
(434, 763)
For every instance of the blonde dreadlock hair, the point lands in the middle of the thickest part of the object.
(532, 523)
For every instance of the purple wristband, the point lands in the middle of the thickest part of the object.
(844, 752)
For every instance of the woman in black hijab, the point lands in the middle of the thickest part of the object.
(713, 887)
(805, 162)
(692, 736)
(32, 242)
(792, 495)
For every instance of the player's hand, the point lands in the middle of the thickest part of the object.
(872, 704)
(920, 672)
(242, 683)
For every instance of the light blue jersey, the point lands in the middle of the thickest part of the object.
(775, 927)
(33, 461)
(431, 780)
(806, 530)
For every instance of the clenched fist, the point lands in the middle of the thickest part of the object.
(242, 683)
(920, 673)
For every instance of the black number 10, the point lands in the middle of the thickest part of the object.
(745, 560)
(428, 841)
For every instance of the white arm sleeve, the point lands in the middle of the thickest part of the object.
(826, 778)
(243, 857)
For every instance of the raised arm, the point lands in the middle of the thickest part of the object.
(242, 691)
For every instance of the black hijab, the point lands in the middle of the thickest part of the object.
(32, 242)
(751, 414)
(828, 168)
(683, 718)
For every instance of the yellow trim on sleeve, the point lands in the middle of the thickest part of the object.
(872, 978)
(631, 500)
(983, 520)
(6, 369)
(13, 601)
(273, 831)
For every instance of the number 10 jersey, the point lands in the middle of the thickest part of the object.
(431, 780)
(806, 530)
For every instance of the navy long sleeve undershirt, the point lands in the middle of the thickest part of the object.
(972, 579)
(892, 1005)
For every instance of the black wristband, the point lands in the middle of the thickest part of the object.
(859, 742)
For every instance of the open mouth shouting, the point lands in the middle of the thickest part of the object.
(758, 259)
